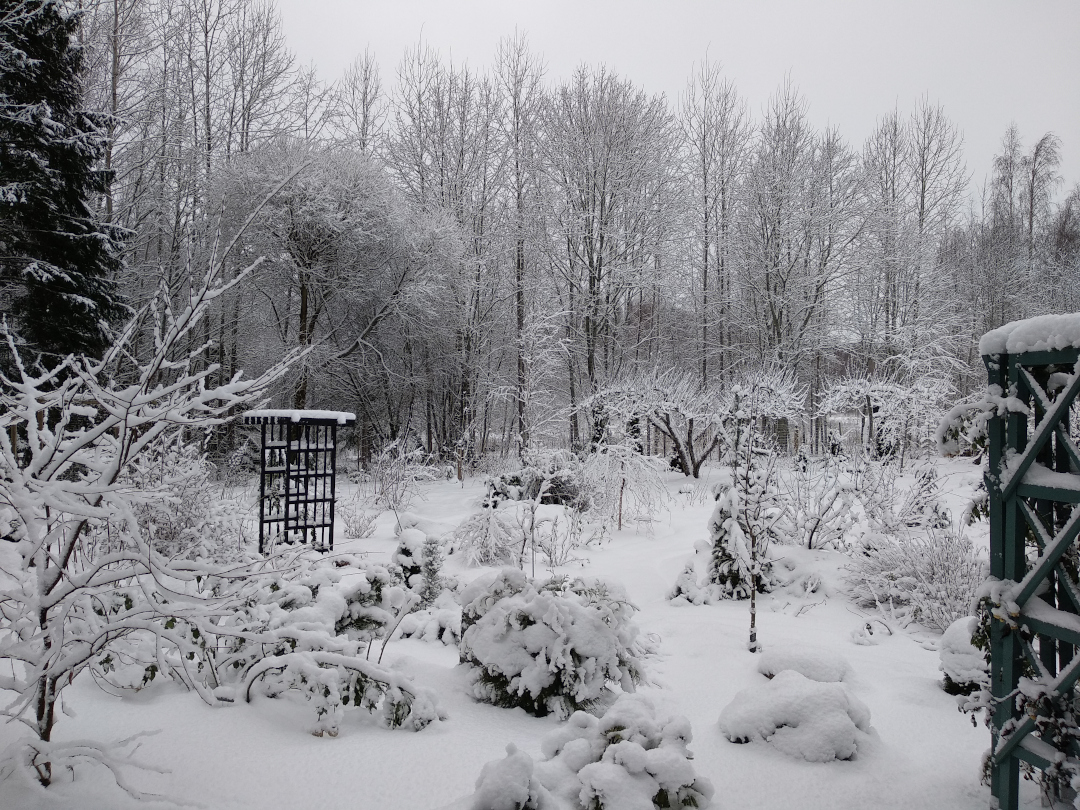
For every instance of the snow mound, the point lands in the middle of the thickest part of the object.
(440, 622)
(963, 663)
(1042, 333)
(817, 665)
(551, 647)
(633, 758)
(818, 722)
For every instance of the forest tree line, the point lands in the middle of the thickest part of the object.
(469, 254)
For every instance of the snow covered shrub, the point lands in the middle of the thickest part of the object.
(409, 555)
(623, 483)
(930, 580)
(358, 522)
(634, 757)
(299, 623)
(178, 507)
(806, 719)
(729, 566)
(818, 499)
(817, 665)
(441, 621)
(546, 478)
(551, 647)
(491, 536)
(965, 666)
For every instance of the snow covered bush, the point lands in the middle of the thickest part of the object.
(490, 537)
(441, 621)
(803, 718)
(913, 578)
(731, 563)
(634, 757)
(299, 623)
(178, 507)
(623, 483)
(85, 427)
(965, 666)
(818, 498)
(817, 665)
(550, 647)
(358, 521)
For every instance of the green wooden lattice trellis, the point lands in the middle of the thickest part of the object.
(1034, 486)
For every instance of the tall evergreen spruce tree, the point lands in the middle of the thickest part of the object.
(58, 261)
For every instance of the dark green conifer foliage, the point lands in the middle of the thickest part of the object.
(58, 261)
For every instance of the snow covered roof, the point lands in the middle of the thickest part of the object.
(271, 415)
(1039, 334)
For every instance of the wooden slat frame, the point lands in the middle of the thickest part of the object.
(1045, 512)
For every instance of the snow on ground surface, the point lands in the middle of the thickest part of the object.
(920, 751)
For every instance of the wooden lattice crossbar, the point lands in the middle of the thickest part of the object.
(297, 481)
(1033, 484)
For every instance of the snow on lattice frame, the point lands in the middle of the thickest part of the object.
(555, 647)
(1038, 334)
(806, 719)
(634, 757)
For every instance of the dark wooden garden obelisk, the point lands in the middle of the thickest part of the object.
(297, 484)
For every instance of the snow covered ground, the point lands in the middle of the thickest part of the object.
(920, 752)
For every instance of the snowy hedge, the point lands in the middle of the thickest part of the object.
(635, 757)
(551, 647)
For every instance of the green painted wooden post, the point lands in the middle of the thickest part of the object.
(1028, 446)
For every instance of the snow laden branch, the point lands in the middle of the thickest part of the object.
(77, 570)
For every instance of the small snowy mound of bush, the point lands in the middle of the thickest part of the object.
(964, 664)
(817, 665)
(440, 622)
(551, 647)
(635, 757)
(818, 722)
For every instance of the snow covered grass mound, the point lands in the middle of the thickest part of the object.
(818, 722)
(817, 665)
(553, 647)
(963, 663)
(635, 757)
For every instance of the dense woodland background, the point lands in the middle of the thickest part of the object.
(475, 253)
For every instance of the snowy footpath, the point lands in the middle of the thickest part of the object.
(919, 752)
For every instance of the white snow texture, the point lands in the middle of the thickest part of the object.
(817, 665)
(629, 759)
(1041, 333)
(818, 722)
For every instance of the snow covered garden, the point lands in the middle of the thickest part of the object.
(574, 632)
(501, 437)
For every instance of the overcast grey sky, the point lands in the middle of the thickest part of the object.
(988, 62)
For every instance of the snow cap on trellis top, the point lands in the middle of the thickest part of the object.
(1039, 334)
(341, 417)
